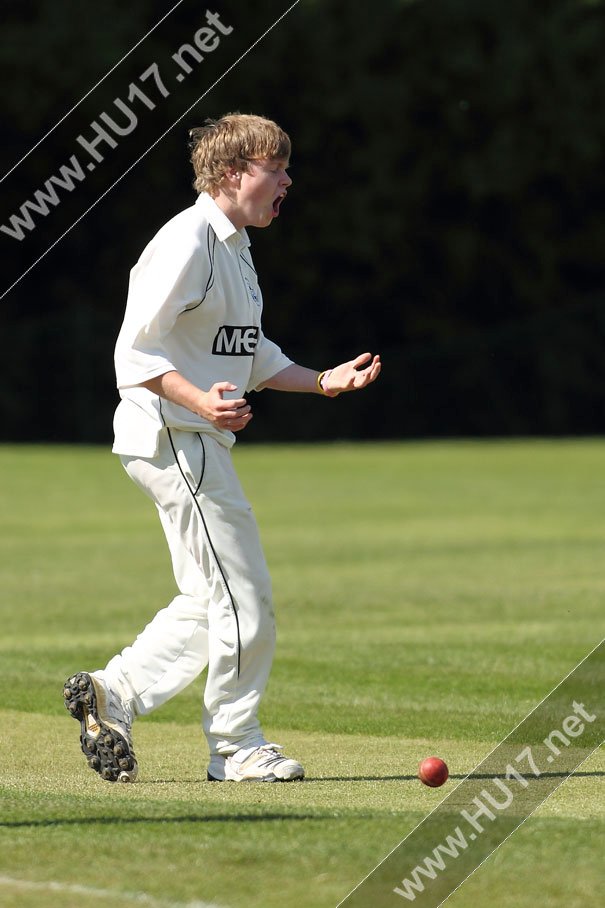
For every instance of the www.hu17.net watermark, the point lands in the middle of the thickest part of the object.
(535, 758)
(144, 94)
(495, 800)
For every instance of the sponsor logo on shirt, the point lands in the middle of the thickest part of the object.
(235, 340)
(252, 291)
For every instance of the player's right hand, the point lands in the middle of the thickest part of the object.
(233, 415)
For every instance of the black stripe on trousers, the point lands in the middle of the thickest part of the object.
(193, 493)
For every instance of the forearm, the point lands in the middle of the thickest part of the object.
(174, 387)
(294, 378)
(210, 405)
(350, 376)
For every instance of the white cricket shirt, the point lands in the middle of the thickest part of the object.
(194, 306)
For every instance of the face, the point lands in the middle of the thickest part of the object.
(256, 195)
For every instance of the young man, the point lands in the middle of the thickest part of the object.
(190, 347)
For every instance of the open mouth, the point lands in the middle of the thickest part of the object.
(277, 202)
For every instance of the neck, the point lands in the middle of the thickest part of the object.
(229, 207)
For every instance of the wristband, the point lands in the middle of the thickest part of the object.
(321, 388)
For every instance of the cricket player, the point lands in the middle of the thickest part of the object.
(190, 348)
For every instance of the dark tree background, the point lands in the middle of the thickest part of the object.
(447, 208)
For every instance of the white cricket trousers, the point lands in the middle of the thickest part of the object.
(223, 617)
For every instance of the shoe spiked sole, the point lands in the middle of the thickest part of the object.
(107, 751)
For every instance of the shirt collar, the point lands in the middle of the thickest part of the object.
(219, 221)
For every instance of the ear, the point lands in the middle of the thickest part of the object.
(233, 177)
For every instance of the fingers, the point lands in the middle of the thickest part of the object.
(371, 373)
(374, 369)
(222, 406)
(358, 378)
(231, 407)
(236, 424)
(233, 415)
(361, 359)
(222, 386)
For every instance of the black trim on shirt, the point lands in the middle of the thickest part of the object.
(249, 264)
(210, 281)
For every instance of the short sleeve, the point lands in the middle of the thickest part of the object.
(268, 361)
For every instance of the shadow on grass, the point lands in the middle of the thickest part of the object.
(552, 775)
(239, 818)
(410, 778)
(129, 821)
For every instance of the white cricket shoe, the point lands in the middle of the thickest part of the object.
(105, 727)
(256, 764)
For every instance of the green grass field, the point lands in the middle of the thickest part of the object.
(428, 596)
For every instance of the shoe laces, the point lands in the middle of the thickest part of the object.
(272, 753)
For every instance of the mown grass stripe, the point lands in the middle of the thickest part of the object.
(136, 898)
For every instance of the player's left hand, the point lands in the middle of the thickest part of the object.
(352, 376)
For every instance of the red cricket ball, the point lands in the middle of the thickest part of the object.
(433, 771)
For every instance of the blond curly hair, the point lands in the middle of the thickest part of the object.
(233, 141)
